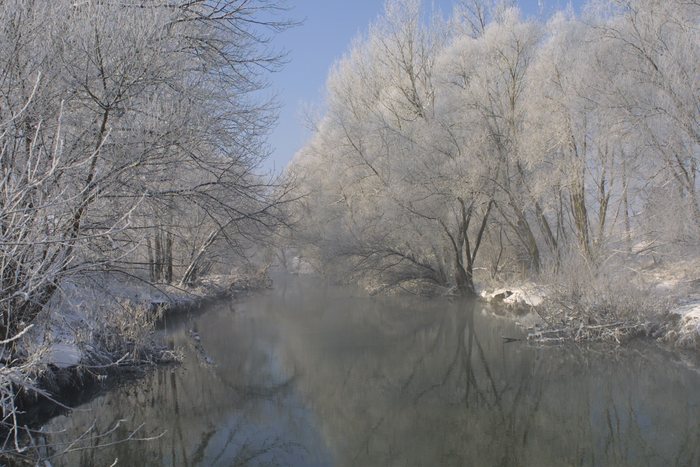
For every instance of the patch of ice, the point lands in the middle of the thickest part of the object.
(64, 355)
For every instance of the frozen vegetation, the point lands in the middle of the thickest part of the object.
(131, 136)
(105, 318)
(548, 162)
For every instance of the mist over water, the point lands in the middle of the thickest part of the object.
(315, 374)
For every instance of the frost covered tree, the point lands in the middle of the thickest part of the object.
(657, 88)
(490, 75)
(402, 218)
(124, 128)
(540, 146)
(382, 94)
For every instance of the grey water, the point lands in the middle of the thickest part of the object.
(319, 375)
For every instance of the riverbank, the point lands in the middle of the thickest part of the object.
(99, 328)
(660, 301)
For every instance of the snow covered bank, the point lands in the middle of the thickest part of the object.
(104, 325)
(82, 314)
(83, 311)
(661, 301)
(681, 282)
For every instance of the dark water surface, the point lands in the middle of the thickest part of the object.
(310, 374)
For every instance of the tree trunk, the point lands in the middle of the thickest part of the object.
(151, 261)
(190, 273)
(158, 258)
(580, 214)
(169, 257)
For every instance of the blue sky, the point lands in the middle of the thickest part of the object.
(328, 28)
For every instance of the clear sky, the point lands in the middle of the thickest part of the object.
(326, 32)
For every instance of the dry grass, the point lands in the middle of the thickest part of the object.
(125, 340)
(127, 336)
(17, 378)
(609, 302)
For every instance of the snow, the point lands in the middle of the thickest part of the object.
(670, 282)
(64, 327)
(299, 265)
(82, 307)
(689, 324)
(529, 321)
(524, 295)
(666, 285)
(688, 312)
(680, 283)
(643, 247)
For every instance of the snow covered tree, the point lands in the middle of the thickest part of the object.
(537, 146)
(113, 111)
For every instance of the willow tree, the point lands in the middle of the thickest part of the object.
(404, 206)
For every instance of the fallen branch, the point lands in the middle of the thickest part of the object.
(583, 332)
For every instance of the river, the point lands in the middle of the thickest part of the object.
(314, 374)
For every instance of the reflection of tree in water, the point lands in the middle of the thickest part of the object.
(352, 381)
(183, 441)
(489, 414)
(451, 392)
(208, 414)
(469, 369)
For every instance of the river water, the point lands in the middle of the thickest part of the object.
(314, 374)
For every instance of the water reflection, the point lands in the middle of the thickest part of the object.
(316, 375)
